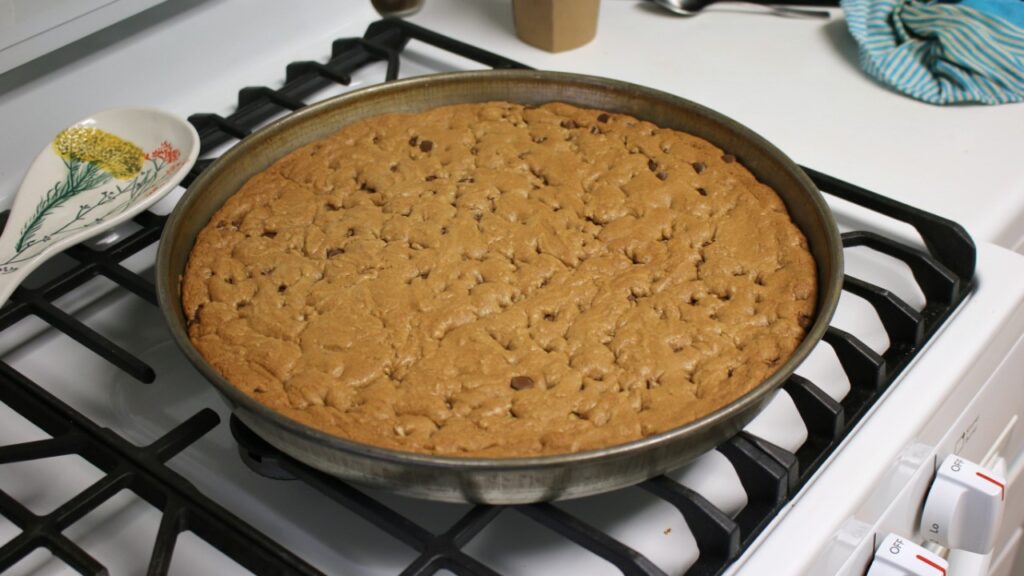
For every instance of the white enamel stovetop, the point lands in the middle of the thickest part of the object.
(791, 80)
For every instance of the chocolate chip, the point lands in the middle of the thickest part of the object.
(332, 252)
(652, 165)
(662, 175)
(569, 124)
(430, 178)
(603, 118)
(521, 382)
(413, 140)
(269, 234)
(728, 158)
(281, 289)
(702, 192)
(426, 146)
(699, 167)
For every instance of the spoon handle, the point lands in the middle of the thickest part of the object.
(791, 12)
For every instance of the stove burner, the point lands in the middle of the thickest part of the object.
(259, 456)
(769, 474)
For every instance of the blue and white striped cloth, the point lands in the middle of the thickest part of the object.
(942, 52)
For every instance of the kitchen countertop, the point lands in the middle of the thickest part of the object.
(795, 81)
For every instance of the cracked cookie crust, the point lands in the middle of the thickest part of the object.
(498, 280)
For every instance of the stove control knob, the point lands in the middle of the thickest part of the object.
(898, 556)
(964, 506)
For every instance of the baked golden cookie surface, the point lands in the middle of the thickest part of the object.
(493, 280)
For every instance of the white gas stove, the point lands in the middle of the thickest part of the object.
(802, 491)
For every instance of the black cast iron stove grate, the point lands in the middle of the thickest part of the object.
(769, 474)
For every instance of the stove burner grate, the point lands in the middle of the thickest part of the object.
(769, 474)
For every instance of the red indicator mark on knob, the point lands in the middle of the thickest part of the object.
(1002, 489)
(932, 564)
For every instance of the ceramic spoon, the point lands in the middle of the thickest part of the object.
(91, 177)
(692, 7)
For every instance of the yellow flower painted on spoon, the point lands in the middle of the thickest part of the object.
(115, 156)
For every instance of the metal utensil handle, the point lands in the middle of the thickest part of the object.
(792, 12)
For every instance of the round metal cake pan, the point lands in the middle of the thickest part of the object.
(498, 480)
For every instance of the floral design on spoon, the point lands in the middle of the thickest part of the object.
(93, 158)
(94, 175)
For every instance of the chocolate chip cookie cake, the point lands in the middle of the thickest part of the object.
(499, 280)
